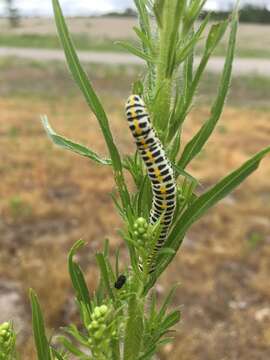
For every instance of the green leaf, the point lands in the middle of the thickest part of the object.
(104, 274)
(215, 35)
(192, 13)
(185, 51)
(191, 83)
(143, 17)
(170, 320)
(158, 11)
(198, 141)
(146, 42)
(166, 303)
(57, 355)
(179, 171)
(70, 347)
(137, 88)
(134, 330)
(211, 197)
(68, 144)
(149, 353)
(42, 344)
(166, 251)
(77, 278)
(134, 50)
(115, 349)
(84, 84)
(74, 332)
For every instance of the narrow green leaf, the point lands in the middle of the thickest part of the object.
(166, 303)
(184, 51)
(192, 13)
(149, 354)
(137, 88)
(144, 198)
(134, 50)
(171, 320)
(191, 82)
(68, 144)
(84, 84)
(215, 35)
(57, 355)
(74, 332)
(211, 197)
(146, 42)
(143, 17)
(42, 344)
(198, 141)
(70, 347)
(104, 274)
(166, 251)
(77, 277)
(158, 11)
(179, 171)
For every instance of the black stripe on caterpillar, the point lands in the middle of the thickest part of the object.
(158, 167)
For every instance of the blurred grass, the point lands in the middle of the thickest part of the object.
(89, 43)
(33, 79)
(50, 41)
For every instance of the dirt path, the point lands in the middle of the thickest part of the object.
(241, 66)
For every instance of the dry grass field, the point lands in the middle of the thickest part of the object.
(50, 198)
(100, 33)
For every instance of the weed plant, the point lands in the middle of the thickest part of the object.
(122, 318)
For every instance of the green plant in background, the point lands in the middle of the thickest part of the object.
(122, 319)
(7, 341)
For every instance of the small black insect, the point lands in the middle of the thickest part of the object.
(120, 282)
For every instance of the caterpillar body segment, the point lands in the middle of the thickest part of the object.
(158, 167)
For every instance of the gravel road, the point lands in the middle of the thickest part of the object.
(242, 66)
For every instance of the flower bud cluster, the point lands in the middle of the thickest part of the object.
(141, 231)
(97, 326)
(7, 340)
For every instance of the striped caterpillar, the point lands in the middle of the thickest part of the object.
(158, 167)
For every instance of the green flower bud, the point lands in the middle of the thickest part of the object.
(141, 221)
(98, 335)
(141, 230)
(103, 309)
(102, 327)
(3, 333)
(97, 312)
(5, 326)
(94, 324)
(7, 340)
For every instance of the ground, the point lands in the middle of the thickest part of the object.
(49, 198)
(101, 34)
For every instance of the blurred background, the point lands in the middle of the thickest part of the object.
(50, 198)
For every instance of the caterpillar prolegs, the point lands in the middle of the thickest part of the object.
(158, 167)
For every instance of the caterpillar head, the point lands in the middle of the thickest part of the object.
(135, 100)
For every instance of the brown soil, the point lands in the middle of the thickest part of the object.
(49, 198)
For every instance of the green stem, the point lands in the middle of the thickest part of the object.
(168, 38)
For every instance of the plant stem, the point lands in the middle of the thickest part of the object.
(168, 38)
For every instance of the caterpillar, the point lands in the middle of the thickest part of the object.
(159, 169)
